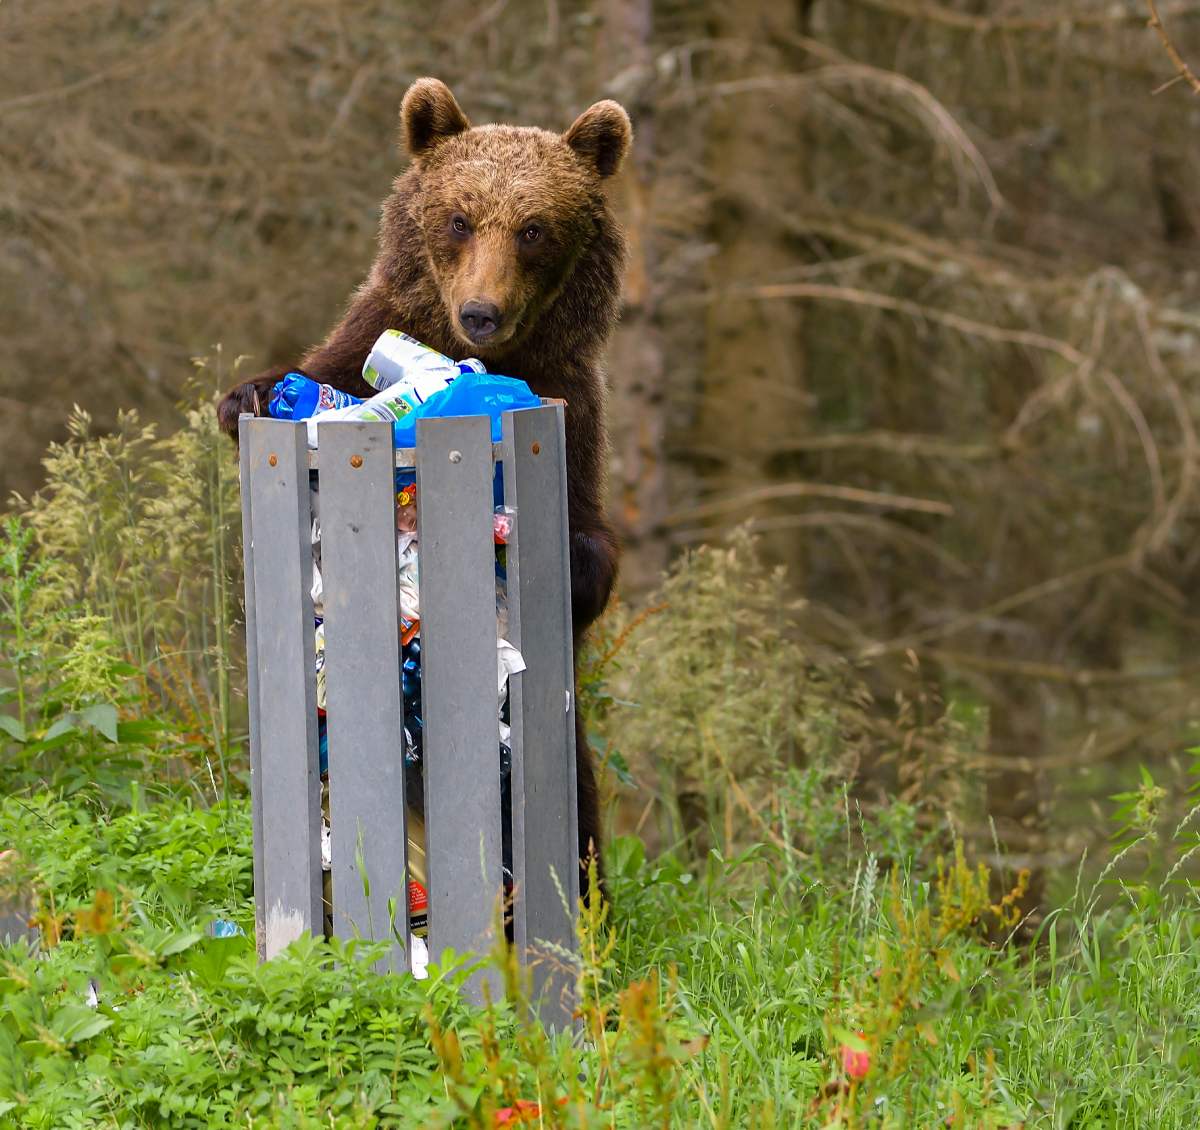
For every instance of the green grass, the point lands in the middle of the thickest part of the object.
(718, 998)
(819, 966)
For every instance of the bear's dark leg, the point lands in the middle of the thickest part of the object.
(588, 797)
(593, 574)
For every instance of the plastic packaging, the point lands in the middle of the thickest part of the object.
(472, 394)
(418, 880)
(408, 577)
(503, 521)
(396, 358)
(406, 508)
(298, 397)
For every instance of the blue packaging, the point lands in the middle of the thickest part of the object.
(298, 397)
(472, 394)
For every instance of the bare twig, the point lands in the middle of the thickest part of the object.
(1039, 591)
(887, 530)
(1055, 673)
(893, 443)
(943, 126)
(736, 503)
(1185, 72)
(964, 21)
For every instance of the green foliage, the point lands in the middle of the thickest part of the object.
(714, 705)
(713, 693)
(193, 1032)
(818, 965)
(117, 590)
(174, 863)
(723, 998)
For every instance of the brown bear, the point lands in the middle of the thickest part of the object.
(498, 243)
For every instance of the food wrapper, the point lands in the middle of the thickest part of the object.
(503, 521)
(418, 875)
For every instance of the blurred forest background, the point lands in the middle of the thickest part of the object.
(913, 290)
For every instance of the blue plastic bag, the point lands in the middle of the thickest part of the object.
(472, 394)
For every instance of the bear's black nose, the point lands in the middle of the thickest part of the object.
(479, 319)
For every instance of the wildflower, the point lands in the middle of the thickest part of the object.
(856, 1061)
(524, 1111)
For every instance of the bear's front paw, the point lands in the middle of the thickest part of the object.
(252, 397)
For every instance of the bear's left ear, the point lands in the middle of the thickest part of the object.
(429, 114)
(601, 136)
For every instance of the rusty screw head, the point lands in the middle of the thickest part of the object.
(536, 449)
(272, 459)
(355, 460)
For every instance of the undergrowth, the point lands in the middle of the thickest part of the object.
(119, 590)
(740, 994)
(780, 950)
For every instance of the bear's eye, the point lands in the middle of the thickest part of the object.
(531, 234)
(459, 223)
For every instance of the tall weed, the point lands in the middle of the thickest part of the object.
(118, 588)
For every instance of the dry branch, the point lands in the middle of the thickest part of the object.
(743, 500)
(964, 21)
(1185, 72)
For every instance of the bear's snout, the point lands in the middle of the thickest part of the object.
(480, 320)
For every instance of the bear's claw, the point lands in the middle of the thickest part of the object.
(252, 396)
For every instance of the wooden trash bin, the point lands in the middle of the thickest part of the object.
(454, 461)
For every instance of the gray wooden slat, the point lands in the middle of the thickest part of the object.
(260, 937)
(458, 679)
(15, 929)
(364, 700)
(541, 707)
(281, 555)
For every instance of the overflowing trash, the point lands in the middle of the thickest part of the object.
(413, 381)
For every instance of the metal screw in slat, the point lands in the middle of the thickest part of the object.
(355, 460)
(536, 449)
(273, 459)
(456, 457)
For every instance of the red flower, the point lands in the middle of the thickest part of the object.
(524, 1111)
(855, 1063)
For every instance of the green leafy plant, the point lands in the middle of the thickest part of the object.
(117, 590)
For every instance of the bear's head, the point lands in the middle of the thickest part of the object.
(505, 212)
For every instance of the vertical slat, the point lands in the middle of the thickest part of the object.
(541, 707)
(458, 679)
(364, 701)
(276, 473)
(260, 936)
(14, 922)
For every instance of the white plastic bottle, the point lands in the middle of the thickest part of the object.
(406, 372)
(396, 358)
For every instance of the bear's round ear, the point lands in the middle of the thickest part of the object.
(601, 136)
(429, 115)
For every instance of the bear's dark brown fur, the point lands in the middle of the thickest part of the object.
(498, 243)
